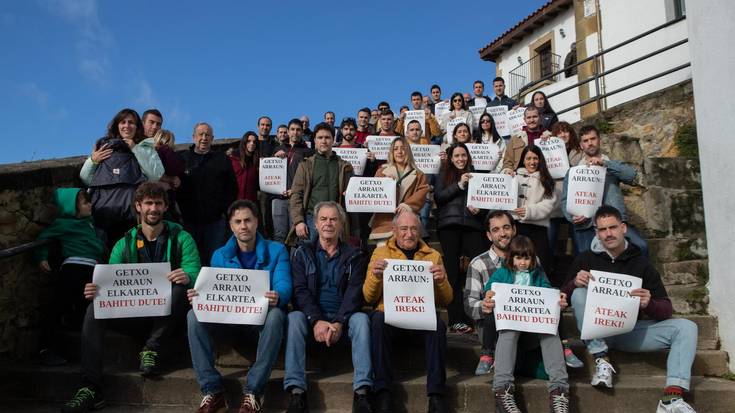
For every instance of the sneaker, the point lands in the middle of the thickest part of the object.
(298, 404)
(603, 373)
(674, 406)
(437, 404)
(461, 328)
(213, 403)
(558, 402)
(361, 404)
(84, 400)
(148, 361)
(571, 359)
(485, 366)
(383, 402)
(250, 404)
(505, 401)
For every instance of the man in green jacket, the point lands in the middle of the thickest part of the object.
(153, 240)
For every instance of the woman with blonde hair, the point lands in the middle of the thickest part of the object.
(411, 188)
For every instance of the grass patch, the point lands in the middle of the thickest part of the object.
(686, 141)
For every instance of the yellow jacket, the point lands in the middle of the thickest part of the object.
(372, 289)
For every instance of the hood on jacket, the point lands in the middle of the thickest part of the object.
(66, 201)
(631, 250)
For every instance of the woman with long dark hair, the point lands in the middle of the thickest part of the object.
(487, 133)
(245, 164)
(460, 227)
(547, 115)
(457, 109)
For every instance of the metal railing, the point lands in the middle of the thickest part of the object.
(597, 73)
(534, 68)
(19, 249)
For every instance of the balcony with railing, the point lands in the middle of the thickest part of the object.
(528, 72)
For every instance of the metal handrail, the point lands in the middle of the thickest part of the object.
(19, 249)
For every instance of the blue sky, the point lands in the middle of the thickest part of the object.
(69, 65)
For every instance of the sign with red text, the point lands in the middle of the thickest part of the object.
(525, 308)
(231, 296)
(476, 111)
(418, 115)
(441, 108)
(427, 158)
(492, 191)
(408, 295)
(272, 175)
(516, 122)
(585, 188)
(610, 309)
(500, 117)
(132, 290)
(379, 145)
(451, 124)
(485, 156)
(555, 154)
(366, 194)
(357, 157)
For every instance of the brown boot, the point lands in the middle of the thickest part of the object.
(213, 403)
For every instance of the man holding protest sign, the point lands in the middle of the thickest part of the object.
(526, 137)
(478, 87)
(432, 126)
(246, 249)
(612, 253)
(152, 241)
(322, 177)
(616, 172)
(406, 244)
(327, 289)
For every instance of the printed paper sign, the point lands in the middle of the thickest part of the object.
(272, 175)
(357, 157)
(529, 309)
(427, 158)
(610, 309)
(492, 191)
(418, 115)
(485, 156)
(371, 195)
(516, 122)
(408, 295)
(132, 290)
(451, 125)
(555, 154)
(477, 111)
(500, 116)
(481, 102)
(379, 145)
(585, 188)
(441, 108)
(231, 296)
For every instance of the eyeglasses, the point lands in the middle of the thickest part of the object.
(457, 100)
(485, 121)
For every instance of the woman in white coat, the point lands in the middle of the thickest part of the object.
(457, 109)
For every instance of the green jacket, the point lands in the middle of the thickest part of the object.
(184, 256)
(77, 236)
(505, 276)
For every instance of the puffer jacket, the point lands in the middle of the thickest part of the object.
(452, 203)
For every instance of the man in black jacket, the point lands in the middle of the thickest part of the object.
(327, 296)
(208, 187)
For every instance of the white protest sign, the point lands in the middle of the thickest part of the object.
(516, 121)
(585, 188)
(610, 309)
(132, 290)
(500, 116)
(371, 195)
(272, 175)
(408, 295)
(523, 308)
(485, 156)
(441, 108)
(476, 111)
(418, 115)
(357, 157)
(427, 158)
(555, 154)
(452, 124)
(231, 296)
(482, 102)
(492, 191)
(379, 145)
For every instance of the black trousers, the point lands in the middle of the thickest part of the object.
(381, 345)
(93, 333)
(67, 301)
(489, 334)
(539, 235)
(458, 241)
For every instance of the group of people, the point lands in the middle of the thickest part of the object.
(145, 202)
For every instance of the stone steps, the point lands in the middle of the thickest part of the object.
(465, 393)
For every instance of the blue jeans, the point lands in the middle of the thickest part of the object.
(424, 215)
(201, 345)
(299, 328)
(583, 238)
(679, 335)
(281, 219)
(208, 237)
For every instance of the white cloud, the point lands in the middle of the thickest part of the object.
(144, 94)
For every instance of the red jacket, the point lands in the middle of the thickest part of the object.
(247, 178)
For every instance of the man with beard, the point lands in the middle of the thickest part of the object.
(616, 172)
(348, 129)
(530, 133)
(153, 240)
